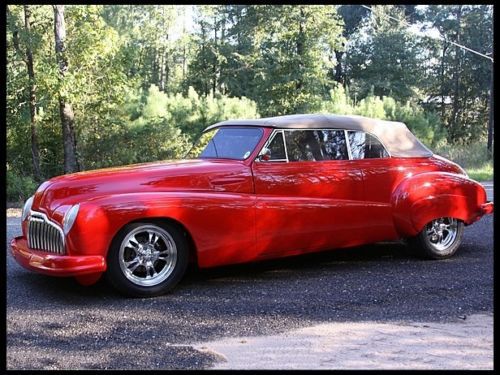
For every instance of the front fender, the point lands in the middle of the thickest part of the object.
(419, 199)
(209, 217)
(100, 218)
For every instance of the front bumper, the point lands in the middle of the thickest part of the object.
(55, 265)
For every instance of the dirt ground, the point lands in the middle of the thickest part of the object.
(14, 212)
(464, 344)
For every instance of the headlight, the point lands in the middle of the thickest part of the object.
(27, 208)
(70, 217)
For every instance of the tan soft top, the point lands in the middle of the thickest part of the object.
(395, 136)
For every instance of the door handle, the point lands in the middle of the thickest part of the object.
(227, 181)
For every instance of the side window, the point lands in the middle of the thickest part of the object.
(316, 145)
(277, 147)
(335, 144)
(365, 146)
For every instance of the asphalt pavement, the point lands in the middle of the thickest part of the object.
(54, 323)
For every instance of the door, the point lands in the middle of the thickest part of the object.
(308, 195)
(380, 176)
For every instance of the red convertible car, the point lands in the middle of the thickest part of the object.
(250, 190)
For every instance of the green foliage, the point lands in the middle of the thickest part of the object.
(385, 43)
(143, 85)
(460, 83)
(473, 157)
(162, 126)
(286, 70)
(339, 102)
(19, 188)
(483, 173)
(192, 113)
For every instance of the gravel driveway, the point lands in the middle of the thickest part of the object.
(54, 323)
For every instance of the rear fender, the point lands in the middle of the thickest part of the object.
(419, 199)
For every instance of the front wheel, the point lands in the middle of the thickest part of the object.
(147, 259)
(439, 239)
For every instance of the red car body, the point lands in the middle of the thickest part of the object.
(236, 211)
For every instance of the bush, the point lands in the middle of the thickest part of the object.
(193, 113)
(473, 155)
(19, 188)
(158, 127)
(339, 102)
(474, 158)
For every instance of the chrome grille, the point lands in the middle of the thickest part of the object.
(44, 235)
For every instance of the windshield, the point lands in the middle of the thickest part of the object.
(226, 143)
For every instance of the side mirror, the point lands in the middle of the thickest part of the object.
(265, 154)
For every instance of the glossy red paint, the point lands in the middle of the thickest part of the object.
(242, 211)
(55, 265)
(487, 208)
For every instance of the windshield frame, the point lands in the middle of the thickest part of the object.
(257, 146)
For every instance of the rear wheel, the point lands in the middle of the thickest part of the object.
(439, 239)
(147, 259)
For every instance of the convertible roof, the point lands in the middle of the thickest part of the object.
(395, 136)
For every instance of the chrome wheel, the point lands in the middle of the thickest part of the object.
(147, 255)
(441, 233)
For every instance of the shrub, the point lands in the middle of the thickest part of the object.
(19, 188)
(473, 155)
(158, 127)
(192, 113)
(339, 102)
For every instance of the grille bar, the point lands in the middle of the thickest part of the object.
(45, 235)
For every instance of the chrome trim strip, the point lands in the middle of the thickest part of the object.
(348, 144)
(284, 144)
(268, 142)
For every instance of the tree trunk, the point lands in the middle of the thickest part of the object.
(445, 47)
(183, 62)
(204, 82)
(339, 73)
(15, 34)
(154, 71)
(35, 153)
(490, 119)
(300, 50)
(162, 70)
(456, 92)
(166, 71)
(214, 68)
(183, 45)
(65, 109)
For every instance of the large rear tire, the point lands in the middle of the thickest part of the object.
(439, 239)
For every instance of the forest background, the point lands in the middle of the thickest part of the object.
(92, 86)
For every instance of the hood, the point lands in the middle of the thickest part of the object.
(196, 174)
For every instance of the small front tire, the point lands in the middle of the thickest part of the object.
(147, 259)
(439, 239)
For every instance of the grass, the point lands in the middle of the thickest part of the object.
(474, 158)
(484, 173)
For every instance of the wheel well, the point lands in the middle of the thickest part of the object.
(193, 256)
(439, 217)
